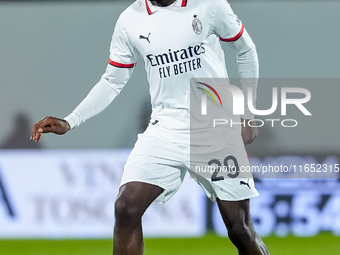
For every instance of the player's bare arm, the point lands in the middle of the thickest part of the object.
(249, 132)
(49, 125)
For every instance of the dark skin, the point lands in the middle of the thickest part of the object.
(135, 197)
(163, 3)
(49, 125)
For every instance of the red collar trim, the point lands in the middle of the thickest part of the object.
(184, 3)
(150, 8)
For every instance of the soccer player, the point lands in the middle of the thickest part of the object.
(178, 40)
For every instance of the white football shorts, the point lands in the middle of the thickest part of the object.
(156, 159)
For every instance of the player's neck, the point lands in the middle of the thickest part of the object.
(162, 3)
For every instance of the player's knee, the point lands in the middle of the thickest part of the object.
(241, 232)
(125, 212)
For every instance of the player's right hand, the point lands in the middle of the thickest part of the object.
(49, 125)
(249, 131)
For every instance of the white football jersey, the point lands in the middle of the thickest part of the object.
(177, 42)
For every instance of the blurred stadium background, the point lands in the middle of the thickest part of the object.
(53, 52)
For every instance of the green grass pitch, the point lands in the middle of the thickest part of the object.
(209, 244)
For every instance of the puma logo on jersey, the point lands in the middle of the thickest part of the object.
(245, 183)
(145, 37)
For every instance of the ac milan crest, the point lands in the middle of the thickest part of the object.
(197, 25)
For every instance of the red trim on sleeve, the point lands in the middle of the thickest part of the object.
(184, 3)
(235, 37)
(148, 7)
(116, 64)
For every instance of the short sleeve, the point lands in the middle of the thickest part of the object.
(122, 52)
(227, 25)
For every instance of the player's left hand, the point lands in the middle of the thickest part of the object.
(249, 133)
